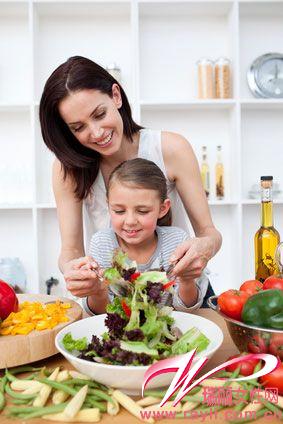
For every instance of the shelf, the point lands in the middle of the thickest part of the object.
(12, 206)
(46, 206)
(192, 104)
(248, 202)
(13, 107)
(94, 24)
(261, 104)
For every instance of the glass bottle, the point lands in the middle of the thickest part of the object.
(204, 170)
(115, 71)
(205, 79)
(267, 237)
(222, 72)
(219, 175)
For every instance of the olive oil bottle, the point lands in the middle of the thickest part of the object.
(219, 175)
(267, 237)
(204, 170)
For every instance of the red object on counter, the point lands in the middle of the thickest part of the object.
(273, 282)
(8, 300)
(251, 287)
(231, 303)
(247, 366)
(274, 379)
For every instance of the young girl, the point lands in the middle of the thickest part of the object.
(140, 217)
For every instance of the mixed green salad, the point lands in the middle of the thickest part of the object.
(140, 329)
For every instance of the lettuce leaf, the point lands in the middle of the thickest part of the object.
(70, 344)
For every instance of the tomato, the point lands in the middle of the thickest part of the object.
(251, 287)
(134, 276)
(259, 344)
(247, 366)
(274, 379)
(231, 303)
(273, 282)
(276, 345)
(8, 300)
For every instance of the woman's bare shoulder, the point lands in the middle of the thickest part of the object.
(175, 147)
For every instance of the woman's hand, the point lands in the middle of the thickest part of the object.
(192, 256)
(81, 280)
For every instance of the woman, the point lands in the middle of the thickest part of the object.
(86, 122)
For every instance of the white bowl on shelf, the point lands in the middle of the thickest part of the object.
(129, 378)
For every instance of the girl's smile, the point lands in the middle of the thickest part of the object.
(134, 213)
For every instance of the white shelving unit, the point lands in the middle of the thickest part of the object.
(156, 44)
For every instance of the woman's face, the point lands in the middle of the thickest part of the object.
(94, 119)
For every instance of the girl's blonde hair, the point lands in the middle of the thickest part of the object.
(142, 173)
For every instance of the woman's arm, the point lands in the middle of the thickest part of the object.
(69, 211)
(182, 168)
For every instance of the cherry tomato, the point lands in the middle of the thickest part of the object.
(274, 379)
(247, 366)
(231, 303)
(251, 287)
(273, 282)
(8, 300)
(276, 345)
(259, 344)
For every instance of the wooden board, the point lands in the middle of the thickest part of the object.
(19, 350)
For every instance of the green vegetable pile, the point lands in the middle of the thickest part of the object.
(140, 329)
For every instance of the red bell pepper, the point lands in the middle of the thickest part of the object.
(8, 300)
(126, 308)
(169, 284)
(134, 276)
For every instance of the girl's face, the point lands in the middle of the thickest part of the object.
(134, 212)
(94, 119)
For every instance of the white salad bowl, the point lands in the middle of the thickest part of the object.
(129, 378)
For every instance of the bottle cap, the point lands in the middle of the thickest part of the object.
(266, 178)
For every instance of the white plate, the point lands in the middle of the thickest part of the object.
(130, 378)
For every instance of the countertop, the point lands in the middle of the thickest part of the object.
(227, 349)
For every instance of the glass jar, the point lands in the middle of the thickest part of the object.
(205, 79)
(222, 71)
(115, 71)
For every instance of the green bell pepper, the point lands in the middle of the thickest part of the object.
(264, 309)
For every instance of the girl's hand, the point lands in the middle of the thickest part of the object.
(81, 281)
(192, 256)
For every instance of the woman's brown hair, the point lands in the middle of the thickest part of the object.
(79, 162)
(142, 173)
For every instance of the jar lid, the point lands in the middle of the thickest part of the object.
(204, 61)
(222, 61)
(112, 66)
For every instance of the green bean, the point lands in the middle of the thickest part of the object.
(19, 401)
(3, 382)
(259, 414)
(78, 382)
(271, 407)
(101, 395)
(96, 404)
(2, 401)
(25, 368)
(33, 412)
(16, 395)
(10, 377)
(58, 386)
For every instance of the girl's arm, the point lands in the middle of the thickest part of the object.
(182, 168)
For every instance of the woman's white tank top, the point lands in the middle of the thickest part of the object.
(95, 210)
